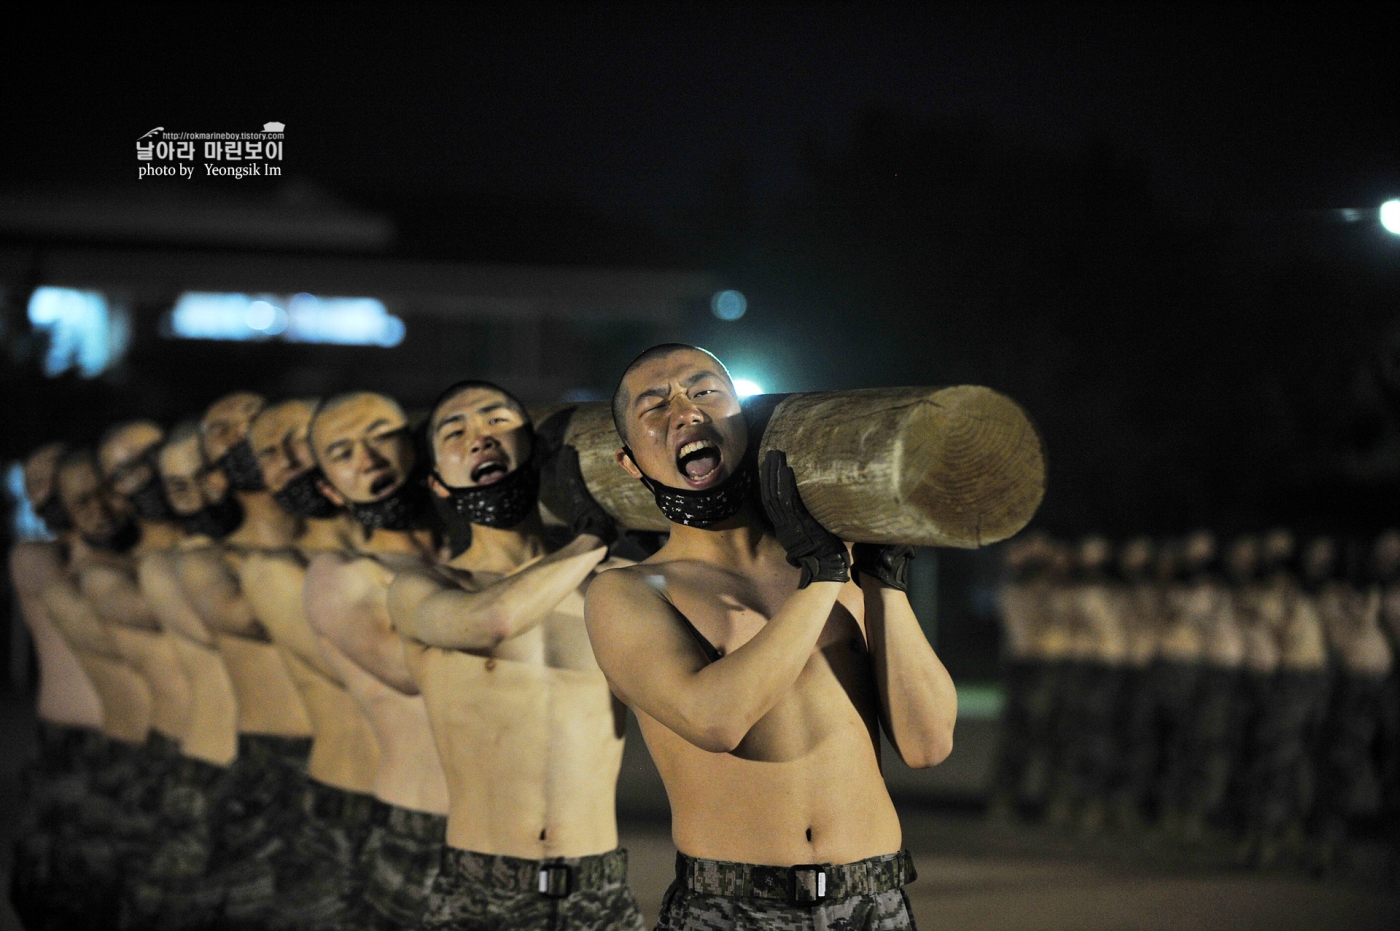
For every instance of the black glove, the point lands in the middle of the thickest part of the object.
(568, 497)
(889, 564)
(818, 552)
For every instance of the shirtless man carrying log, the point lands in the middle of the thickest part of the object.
(761, 673)
(526, 728)
(118, 812)
(362, 446)
(253, 730)
(68, 706)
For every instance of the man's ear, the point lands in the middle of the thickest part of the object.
(436, 486)
(327, 489)
(625, 460)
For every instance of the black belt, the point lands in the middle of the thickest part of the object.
(332, 804)
(804, 884)
(552, 879)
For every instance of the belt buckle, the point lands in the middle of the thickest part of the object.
(797, 891)
(556, 880)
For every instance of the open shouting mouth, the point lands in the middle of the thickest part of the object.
(383, 484)
(490, 471)
(699, 462)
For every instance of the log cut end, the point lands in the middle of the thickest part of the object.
(974, 464)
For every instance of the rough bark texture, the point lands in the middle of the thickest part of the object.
(960, 466)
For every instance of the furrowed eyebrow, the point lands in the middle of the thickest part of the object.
(494, 406)
(699, 376)
(454, 418)
(656, 392)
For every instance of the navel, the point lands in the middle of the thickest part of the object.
(809, 835)
(542, 833)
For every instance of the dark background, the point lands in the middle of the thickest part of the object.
(1154, 227)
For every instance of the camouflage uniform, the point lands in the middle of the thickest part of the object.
(1090, 759)
(1044, 696)
(476, 892)
(714, 895)
(55, 785)
(1174, 685)
(1388, 752)
(399, 864)
(1015, 735)
(318, 876)
(172, 889)
(1209, 749)
(256, 813)
(1345, 756)
(1281, 775)
(1135, 743)
(99, 826)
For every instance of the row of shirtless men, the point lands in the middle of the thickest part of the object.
(1248, 697)
(310, 664)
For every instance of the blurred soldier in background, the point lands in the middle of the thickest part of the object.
(1209, 738)
(1139, 607)
(1093, 679)
(117, 817)
(371, 465)
(68, 707)
(1176, 674)
(1050, 646)
(1288, 714)
(1021, 601)
(1362, 661)
(1385, 573)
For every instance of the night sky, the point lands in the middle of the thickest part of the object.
(1123, 217)
(629, 109)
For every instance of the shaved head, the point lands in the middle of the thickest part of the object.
(622, 396)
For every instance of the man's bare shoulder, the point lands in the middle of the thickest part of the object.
(33, 563)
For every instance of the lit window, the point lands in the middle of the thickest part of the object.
(24, 523)
(84, 332)
(301, 318)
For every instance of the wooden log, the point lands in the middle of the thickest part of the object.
(960, 466)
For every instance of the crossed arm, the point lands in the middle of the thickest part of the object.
(654, 664)
(437, 611)
(117, 598)
(713, 705)
(212, 589)
(345, 605)
(76, 620)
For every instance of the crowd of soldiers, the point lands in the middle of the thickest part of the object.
(231, 735)
(313, 665)
(1199, 694)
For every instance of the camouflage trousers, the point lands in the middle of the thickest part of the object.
(477, 892)
(221, 828)
(55, 788)
(318, 875)
(1345, 756)
(1089, 758)
(1174, 688)
(1135, 738)
(255, 814)
(1015, 732)
(1042, 710)
(399, 864)
(715, 895)
(1209, 746)
(1281, 774)
(91, 833)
